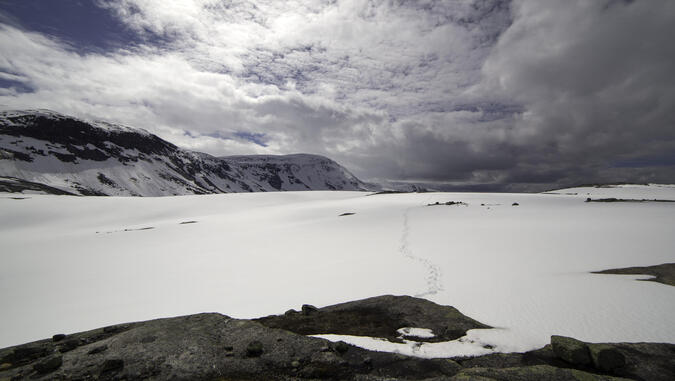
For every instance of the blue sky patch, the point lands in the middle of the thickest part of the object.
(255, 137)
(82, 24)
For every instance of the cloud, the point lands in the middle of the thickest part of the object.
(597, 82)
(482, 93)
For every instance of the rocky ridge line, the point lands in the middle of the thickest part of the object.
(48, 152)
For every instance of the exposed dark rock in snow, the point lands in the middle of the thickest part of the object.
(571, 350)
(449, 203)
(52, 153)
(15, 185)
(212, 347)
(380, 316)
(664, 273)
(217, 347)
(614, 199)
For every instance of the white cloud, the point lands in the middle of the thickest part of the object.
(468, 90)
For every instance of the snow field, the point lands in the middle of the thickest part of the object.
(69, 265)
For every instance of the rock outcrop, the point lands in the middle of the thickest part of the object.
(571, 350)
(663, 273)
(380, 316)
(216, 347)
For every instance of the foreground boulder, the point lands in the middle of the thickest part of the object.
(606, 357)
(530, 373)
(380, 316)
(212, 347)
(217, 347)
(571, 350)
(640, 361)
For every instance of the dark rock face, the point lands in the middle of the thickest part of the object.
(664, 273)
(112, 366)
(191, 348)
(48, 365)
(58, 337)
(639, 361)
(642, 361)
(24, 354)
(15, 185)
(646, 361)
(216, 347)
(530, 373)
(98, 349)
(381, 316)
(99, 158)
(308, 309)
(68, 345)
(341, 347)
(613, 199)
(254, 349)
(606, 357)
(571, 350)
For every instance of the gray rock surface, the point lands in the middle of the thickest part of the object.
(530, 373)
(217, 347)
(606, 357)
(208, 347)
(380, 316)
(646, 361)
(571, 350)
(663, 273)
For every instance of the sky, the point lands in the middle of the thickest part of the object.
(484, 95)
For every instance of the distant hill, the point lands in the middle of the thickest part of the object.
(47, 152)
(621, 191)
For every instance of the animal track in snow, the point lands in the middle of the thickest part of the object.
(433, 277)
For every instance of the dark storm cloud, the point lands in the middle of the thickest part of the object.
(597, 80)
(466, 94)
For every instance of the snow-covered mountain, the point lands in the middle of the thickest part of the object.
(48, 152)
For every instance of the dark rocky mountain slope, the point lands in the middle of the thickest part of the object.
(43, 151)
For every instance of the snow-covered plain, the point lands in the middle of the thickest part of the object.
(74, 263)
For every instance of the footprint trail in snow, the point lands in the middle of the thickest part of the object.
(433, 271)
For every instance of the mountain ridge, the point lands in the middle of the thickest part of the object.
(83, 157)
